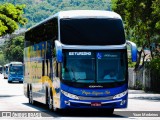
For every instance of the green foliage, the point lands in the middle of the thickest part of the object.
(154, 73)
(141, 19)
(10, 17)
(131, 64)
(2, 60)
(44, 9)
(154, 64)
(38, 10)
(138, 17)
(156, 9)
(3, 28)
(138, 85)
(13, 49)
(9, 24)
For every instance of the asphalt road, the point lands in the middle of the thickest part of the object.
(12, 100)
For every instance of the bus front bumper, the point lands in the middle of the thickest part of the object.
(10, 79)
(108, 104)
(117, 103)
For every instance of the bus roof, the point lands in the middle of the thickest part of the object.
(15, 63)
(88, 14)
(6, 64)
(80, 14)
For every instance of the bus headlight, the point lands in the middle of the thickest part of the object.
(120, 95)
(70, 95)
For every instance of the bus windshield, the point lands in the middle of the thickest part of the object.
(111, 67)
(92, 31)
(6, 69)
(16, 70)
(79, 67)
(94, 67)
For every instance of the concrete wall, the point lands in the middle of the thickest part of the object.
(148, 80)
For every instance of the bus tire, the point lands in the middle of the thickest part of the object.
(55, 109)
(110, 111)
(9, 81)
(27, 91)
(30, 98)
(50, 101)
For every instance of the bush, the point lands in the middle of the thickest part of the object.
(131, 64)
(154, 64)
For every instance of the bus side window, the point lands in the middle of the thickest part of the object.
(47, 68)
(43, 68)
(59, 70)
(54, 68)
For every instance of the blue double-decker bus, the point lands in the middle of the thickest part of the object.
(78, 59)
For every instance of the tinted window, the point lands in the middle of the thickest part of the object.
(43, 32)
(79, 67)
(111, 67)
(92, 31)
(96, 67)
(16, 70)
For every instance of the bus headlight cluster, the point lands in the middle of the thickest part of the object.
(120, 95)
(70, 95)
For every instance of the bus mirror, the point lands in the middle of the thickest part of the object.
(133, 50)
(58, 47)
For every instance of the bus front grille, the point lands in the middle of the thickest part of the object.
(96, 98)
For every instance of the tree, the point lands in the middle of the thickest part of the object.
(13, 49)
(10, 17)
(2, 60)
(139, 22)
(156, 9)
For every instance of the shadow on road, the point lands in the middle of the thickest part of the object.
(15, 83)
(141, 95)
(141, 92)
(4, 96)
(151, 98)
(73, 112)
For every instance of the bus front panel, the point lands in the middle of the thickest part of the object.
(94, 79)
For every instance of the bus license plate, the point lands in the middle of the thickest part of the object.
(95, 104)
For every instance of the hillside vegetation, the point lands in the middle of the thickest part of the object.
(38, 10)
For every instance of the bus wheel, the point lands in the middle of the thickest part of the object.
(55, 109)
(31, 97)
(110, 111)
(50, 102)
